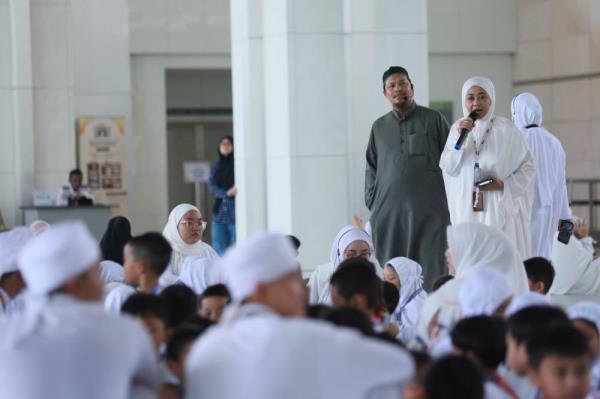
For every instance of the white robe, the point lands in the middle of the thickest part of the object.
(254, 353)
(577, 273)
(504, 155)
(550, 200)
(77, 351)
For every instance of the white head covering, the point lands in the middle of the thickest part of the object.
(48, 261)
(11, 242)
(261, 259)
(483, 291)
(526, 300)
(526, 110)
(111, 272)
(486, 85)
(411, 278)
(344, 238)
(180, 248)
(51, 259)
(116, 297)
(199, 273)
(586, 310)
(39, 226)
(474, 245)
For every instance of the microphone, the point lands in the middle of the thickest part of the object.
(405, 98)
(463, 132)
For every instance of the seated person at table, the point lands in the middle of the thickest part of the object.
(74, 193)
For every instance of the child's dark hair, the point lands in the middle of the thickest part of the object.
(454, 376)
(357, 276)
(216, 290)
(346, 316)
(528, 322)
(295, 241)
(188, 332)
(441, 281)
(540, 269)
(391, 296)
(75, 172)
(562, 341)
(152, 248)
(145, 305)
(317, 311)
(484, 336)
(181, 304)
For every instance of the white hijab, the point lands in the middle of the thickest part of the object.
(344, 238)
(200, 273)
(482, 293)
(473, 245)
(486, 85)
(180, 248)
(411, 281)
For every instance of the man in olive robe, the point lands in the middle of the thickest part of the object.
(404, 188)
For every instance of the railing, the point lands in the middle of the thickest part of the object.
(590, 201)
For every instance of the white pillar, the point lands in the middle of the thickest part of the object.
(248, 116)
(321, 90)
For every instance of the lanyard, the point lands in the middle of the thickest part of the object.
(398, 314)
(477, 169)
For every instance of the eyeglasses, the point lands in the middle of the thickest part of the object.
(190, 224)
(356, 254)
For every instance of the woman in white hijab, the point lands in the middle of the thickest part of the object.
(494, 150)
(472, 246)
(550, 202)
(407, 276)
(349, 243)
(586, 318)
(184, 231)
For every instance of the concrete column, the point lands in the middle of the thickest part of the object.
(321, 90)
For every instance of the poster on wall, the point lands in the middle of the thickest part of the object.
(101, 158)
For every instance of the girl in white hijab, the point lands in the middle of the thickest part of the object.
(184, 231)
(494, 149)
(472, 246)
(407, 276)
(349, 243)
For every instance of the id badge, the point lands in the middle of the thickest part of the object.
(478, 201)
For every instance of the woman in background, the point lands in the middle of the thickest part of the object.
(222, 185)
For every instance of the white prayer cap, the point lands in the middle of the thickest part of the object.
(199, 273)
(486, 85)
(11, 242)
(586, 310)
(483, 291)
(51, 259)
(526, 300)
(111, 272)
(261, 259)
(526, 110)
(39, 226)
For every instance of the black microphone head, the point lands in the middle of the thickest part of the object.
(405, 98)
(473, 115)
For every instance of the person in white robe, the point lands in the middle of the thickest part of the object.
(272, 352)
(350, 241)
(11, 280)
(472, 246)
(200, 273)
(550, 203)
(484, 292)
(577, 273)
(495, 149)
(590, 312)
(407, 276)
(63, 344)
(184, 231)
(111, 272)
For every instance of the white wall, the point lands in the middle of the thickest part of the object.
(471, 37)
(166, 35)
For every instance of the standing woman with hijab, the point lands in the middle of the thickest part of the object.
(117, 234)
(495, 153)
(222, 185)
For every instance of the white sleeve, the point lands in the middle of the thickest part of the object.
(313, 288)
(452, 159)
(148, 376)
(520, 182)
